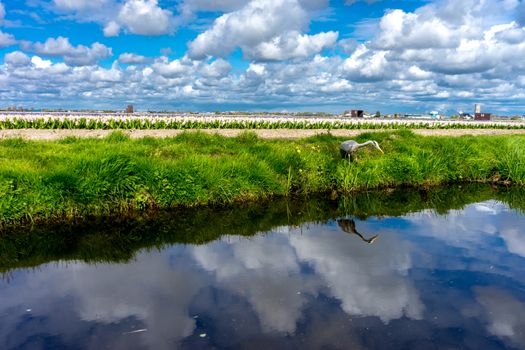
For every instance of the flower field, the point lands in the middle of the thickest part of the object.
(210, 121)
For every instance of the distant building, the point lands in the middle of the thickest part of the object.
(129, 109)
(435, 115)
(477, 108)
(356, 113)
(482, 116)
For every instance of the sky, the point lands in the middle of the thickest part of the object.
(409, 56)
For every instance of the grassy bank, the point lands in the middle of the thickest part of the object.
(74, 178)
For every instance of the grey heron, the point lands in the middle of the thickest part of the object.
(349, 227)
(347, 148)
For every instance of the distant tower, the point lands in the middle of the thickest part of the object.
(129, 109)
(477, 108)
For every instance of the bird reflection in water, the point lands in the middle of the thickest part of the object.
(349, 227)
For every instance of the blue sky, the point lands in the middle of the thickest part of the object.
(318, 55)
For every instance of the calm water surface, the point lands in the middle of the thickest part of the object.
(420, 280)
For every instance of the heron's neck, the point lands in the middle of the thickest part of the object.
(365, 143)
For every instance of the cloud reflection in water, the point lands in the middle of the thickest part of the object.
(313, 284)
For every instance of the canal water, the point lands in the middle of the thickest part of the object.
(443, 269)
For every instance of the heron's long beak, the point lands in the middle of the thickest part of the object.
(380, 150)
(371, 240)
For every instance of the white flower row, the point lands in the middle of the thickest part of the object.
(247, 120)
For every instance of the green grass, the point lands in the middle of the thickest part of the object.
(74, 178)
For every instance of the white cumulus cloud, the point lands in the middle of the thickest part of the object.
(445, 55)
(40, 63)
(114, 74)
(144, 17)
(217, 69)
(131, 58)
(6, 39)
(292, 45)
(17, 58)
(400, 30)
(175, 68)
(79, 5)
(73, 55)
(112, 29)
(258, 22)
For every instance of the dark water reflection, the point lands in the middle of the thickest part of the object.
(427, 281)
